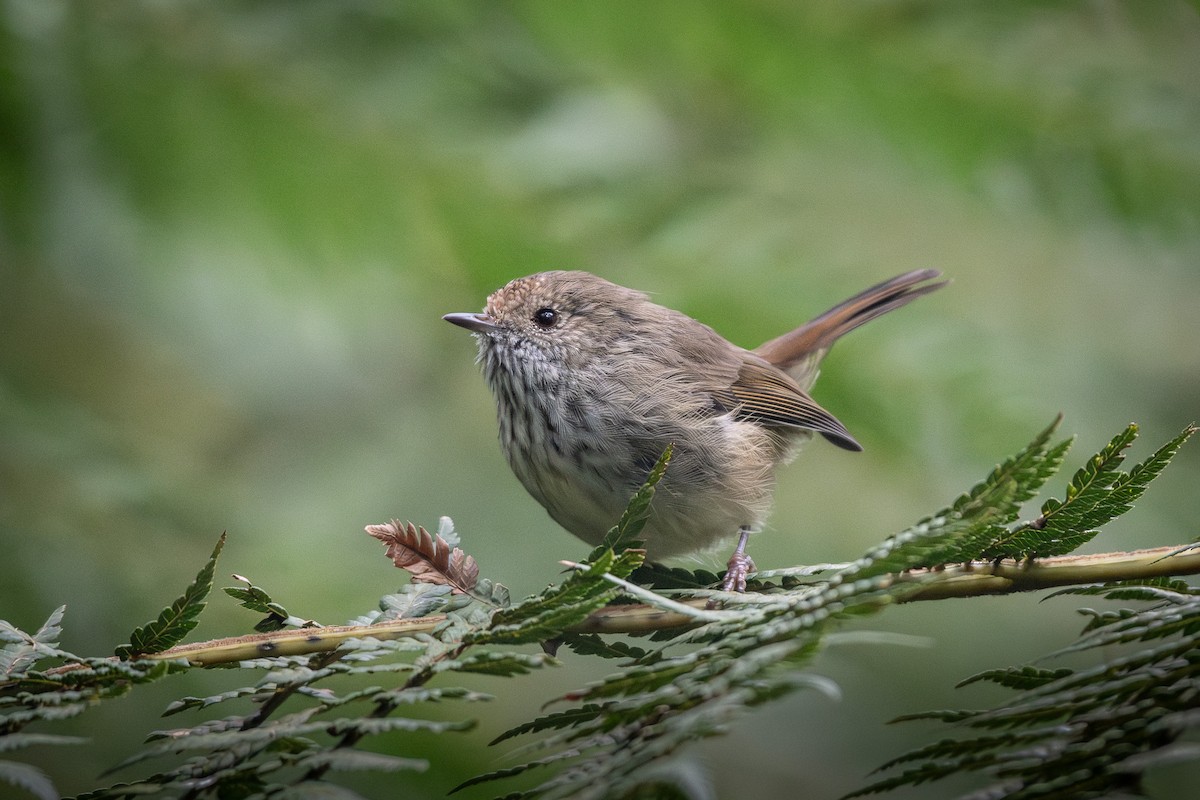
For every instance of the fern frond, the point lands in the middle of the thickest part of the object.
(623, 535)
(1098, 493)
(975, 520)
(256, 599)
(1101, 725)
(559, 607)
(703, 668)
(1026, 677)
(176, 621)
(23, 650)
(589, 644)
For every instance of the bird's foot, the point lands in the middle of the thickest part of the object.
(740, 565)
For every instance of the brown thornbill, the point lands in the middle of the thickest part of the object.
(592, 381)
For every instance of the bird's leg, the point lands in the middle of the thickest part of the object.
(740, 564)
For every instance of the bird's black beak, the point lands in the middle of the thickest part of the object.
(476, 323)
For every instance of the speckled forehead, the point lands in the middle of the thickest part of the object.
(574, 293)
(516, 294)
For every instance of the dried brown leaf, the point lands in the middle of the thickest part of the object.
(427, 557)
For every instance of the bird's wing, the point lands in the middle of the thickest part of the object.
(766, 395)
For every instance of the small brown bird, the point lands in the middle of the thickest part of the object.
(592, 381)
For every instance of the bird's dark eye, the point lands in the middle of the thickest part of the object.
(545, 318)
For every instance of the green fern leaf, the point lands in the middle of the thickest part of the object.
(1098, 493)
(489, 663)
(1088, 732)
(559, 607)
(372, 726)
(194, 703)
(174, 622)
(555, 721)
(510, 772)
(659, 576)
(256, 599)
(975, 520)
(1017, 677)
(1148, 589)
(941, 715)
(623, 535)
(360, 761)
(593, 645)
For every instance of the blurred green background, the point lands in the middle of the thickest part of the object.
(228, 231)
